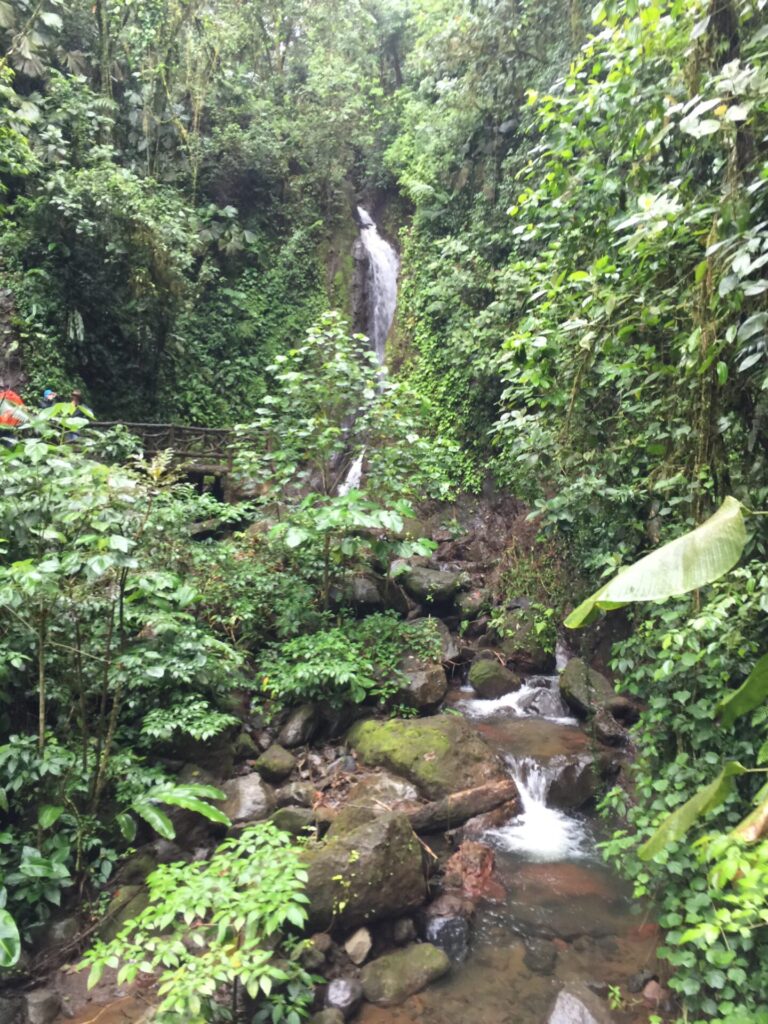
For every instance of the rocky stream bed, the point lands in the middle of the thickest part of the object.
(453, 870)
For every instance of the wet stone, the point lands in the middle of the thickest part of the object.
(391, 979)
(301, 726)
(12, 1010)
(344, 995)
(275, 764)
(540, 956)
(43, 1006)
(451, 934)
(403, 931)
(329, 1016)
(298, 794)
(358, 945)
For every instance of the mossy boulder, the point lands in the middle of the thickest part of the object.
(439, 755)
(516, 636)
(372, 872)
(585, 690)
(296, 820)
(275, 764)
(432, 586)
(127, 902)
(391, 979)
(491, 680)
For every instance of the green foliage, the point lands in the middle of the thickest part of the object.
(213, 925)
(347, 664)
(693, 560)
(101, 655)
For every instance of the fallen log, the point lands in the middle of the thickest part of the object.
(460, 807)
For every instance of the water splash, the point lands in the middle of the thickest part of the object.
(540, 833)
(383, 266)
(542, 701)
(354, 475)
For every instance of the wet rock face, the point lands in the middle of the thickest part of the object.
(540, 956)
(372, 872)
(451, 935)
(391, 979)
(439, 755)
(583, 689)
(491, 680)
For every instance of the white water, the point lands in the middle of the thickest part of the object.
(540, 833)
(354, 475)
(383, 266)
(527, 702)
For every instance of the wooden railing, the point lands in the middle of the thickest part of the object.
(201, 448)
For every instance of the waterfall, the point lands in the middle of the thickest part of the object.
(540, 833)
(354, 475)
(383, 266)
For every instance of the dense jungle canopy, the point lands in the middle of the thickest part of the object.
(578, 195)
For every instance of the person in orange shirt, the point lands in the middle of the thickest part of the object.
(13, 414)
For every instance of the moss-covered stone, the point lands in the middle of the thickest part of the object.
(296, 820)
(490, 679)
(518, 639)
(439, 755)
(371, 872)
(584, 690)
(391, 979)
(275, 764)
(432, 586)
(128, 901)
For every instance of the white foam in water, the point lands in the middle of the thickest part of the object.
(519, 704)
(540, 833)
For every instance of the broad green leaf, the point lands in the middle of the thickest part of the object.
(685, 564)
(705, 800)
(10, 942)
(750, 695)
(155, 818)
(48, 815)
(127, 825)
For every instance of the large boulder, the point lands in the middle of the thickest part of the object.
(427, 684)
(275, 764)
(374, 871)
(490, 680)
(432, 586)
(374, 794)
(248, 798)
(585, 690)
(440, 755)
(516, 636)
(302, 724)
(389, 980)
(448, 645)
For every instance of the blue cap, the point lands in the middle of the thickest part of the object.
(49, 393)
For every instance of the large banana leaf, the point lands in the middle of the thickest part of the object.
(685, 564)
(749, 695)
(10, 943)
(679, 821)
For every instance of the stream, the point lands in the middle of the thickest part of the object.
(567, 920)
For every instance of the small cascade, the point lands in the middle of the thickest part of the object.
(539, 697)
(383, 266)
(540, 833)
(354, 475)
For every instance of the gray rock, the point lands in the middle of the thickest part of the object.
(540, 956)
(432, 586)
(245, 747)
(389, 980)
(297, 794)
(329, 1016)
(427, 684)
(491, 680)
(451, 934)
(518, 639)
(301, 726)
(127, 902)
(60, 932)
(248, 798)
(12, 1010)
(358, 946)
(576, 1004)
(296, 820)
(344, 995)
(583, 689)
(374, 871)
(43, 1006)
(472, 603)
(404, 931)
(275, 764)
(607, 730)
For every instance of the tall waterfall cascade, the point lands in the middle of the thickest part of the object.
(383, 266)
